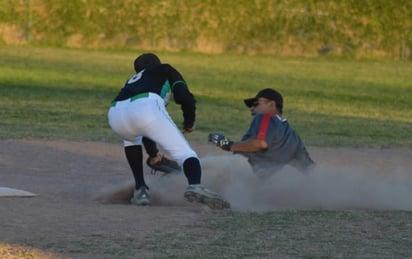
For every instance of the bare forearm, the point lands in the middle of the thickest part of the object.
(251, 145)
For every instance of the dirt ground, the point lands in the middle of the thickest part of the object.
(82, 190)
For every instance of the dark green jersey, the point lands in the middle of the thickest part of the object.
(165, 81)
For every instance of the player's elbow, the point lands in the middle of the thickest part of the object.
(262, 144)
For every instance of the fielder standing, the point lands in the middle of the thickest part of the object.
(139, 110)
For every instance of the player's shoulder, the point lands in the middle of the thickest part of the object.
(169, 67)
(261, 116)
(267, 118)
(257, 118)
(161, 67)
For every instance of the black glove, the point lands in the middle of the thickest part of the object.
(220, 140)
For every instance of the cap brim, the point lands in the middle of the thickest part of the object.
(250, 101)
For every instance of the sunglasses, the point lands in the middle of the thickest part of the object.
(256, 104)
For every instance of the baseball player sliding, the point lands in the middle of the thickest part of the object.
(270, 142)
(139, 110)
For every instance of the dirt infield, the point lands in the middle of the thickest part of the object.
(82, 188)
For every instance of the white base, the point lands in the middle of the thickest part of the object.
(11, 192)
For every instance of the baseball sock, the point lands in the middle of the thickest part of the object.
(150, 147)
(134, 156)
(192, 170)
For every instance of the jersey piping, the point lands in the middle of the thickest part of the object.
(264, 126)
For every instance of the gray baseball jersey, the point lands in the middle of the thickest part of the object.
(284, 145)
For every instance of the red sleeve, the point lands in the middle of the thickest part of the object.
(264, 126)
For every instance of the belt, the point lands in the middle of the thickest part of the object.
(133, 98)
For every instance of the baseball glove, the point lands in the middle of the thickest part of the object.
(165, 165)
(220, 140)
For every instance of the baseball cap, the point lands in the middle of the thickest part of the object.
(267, 93)
(145, 60)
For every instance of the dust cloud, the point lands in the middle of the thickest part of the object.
(329, 186)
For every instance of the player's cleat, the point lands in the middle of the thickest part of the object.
(141, 196)
(198, 193)
(164, 165)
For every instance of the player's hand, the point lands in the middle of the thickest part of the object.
(187, 130)
(220, 140)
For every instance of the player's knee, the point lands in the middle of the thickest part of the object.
(184, 157)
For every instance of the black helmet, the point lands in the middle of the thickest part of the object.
(145, 60)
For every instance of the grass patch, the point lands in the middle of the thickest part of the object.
(8, 251)
(64, 94)
(276, 234)
(293, 234)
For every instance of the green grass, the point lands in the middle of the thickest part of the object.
(64, 94)
(293, 234)
(276, 234)
(367, 28)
